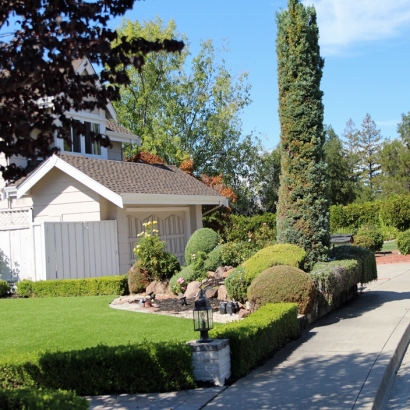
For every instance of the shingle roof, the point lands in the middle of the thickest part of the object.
(113, 126)
(129, 177)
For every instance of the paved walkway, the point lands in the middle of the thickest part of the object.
(346, 361)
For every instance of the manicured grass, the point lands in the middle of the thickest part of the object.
(389, 246)
(29, 325)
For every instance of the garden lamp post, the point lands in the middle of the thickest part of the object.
(203, 317)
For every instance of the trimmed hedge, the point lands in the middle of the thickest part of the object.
(283, 284)
(41, 400)
(403, 242)
(143, 368)
(333, 278)
(203, 240)
(255, 338)
(365, 259)
(104, 285)
(4, 288)
(214, 258)
(280, 254)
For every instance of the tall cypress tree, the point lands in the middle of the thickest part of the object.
(303, 207)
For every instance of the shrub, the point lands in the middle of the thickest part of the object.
(4, 288)
(150, 253)
(235, 253)
(41, 399)
(283, 284)
(187, 273)
(203, 240)
(237, 284)
(395, 211)
(104, 285)
(365, 259)
(255, 338)
(334, 277)
(214, 258)
(164, 366)
(280, 254)
(137, 279)
(403, 242)
(389, 232)
(369, 237)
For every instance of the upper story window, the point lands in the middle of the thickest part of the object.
(82, 143)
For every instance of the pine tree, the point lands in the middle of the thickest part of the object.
(302, 214)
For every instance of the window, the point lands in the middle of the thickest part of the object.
(84, 144)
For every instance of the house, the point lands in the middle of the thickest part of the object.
(78, 213)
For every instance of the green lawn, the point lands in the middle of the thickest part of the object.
(389, 246)
(29, 325)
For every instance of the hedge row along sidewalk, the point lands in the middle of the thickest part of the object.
(104, 285)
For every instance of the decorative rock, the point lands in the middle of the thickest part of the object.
(211, 293)
(192, 289)
(157, 288)
(219, 272)
(227, 272)
(222, 293)
(210, 274)
(243, 313)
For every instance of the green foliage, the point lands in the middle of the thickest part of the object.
(302, 211)
(235, 253)
(198, 263)
(369, 237)
(162, 366)
(187, 273)
(237, 284)
(104, 285)
(255, 338)
(150, 253)
(41, 400)
(280, 254)
(204, 240)
(283, 284)
(403, 242)
(389, 232)
(365, 259)
(214, 258)
(395, 211)
(334, 277)
(137, 278)
(4, 287)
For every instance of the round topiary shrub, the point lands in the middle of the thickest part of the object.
(283, 284)
(214, 258)
(187, 273)
(403, 242)
(203, 240)
(237, 284)
(138, 278)
(369, 237)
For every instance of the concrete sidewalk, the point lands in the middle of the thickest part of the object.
(346, 361)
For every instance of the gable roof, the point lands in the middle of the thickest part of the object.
(127, 182)
(114, 127)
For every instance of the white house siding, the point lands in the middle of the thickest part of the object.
(115, 153)
(195, 212)
(59, 198)
(108, 210)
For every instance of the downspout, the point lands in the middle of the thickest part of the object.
(216, 207)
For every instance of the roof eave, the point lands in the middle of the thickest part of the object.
(168, 199)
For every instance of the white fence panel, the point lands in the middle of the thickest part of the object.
(76, 250)
(16, 256)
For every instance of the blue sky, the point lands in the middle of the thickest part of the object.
(366, 46)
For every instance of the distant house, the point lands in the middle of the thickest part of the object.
(78, 214)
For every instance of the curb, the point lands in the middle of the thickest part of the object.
(375, 391)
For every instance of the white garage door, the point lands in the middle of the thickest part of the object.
(172, 227)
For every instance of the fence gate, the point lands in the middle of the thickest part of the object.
(76, 250)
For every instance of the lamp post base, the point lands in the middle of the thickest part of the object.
(204, 337)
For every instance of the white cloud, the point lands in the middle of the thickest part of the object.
(347, 23)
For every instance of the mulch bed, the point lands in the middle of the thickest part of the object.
(174, 305)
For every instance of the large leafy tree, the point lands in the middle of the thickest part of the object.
(302, 215)
(36, 62)
(187, 106)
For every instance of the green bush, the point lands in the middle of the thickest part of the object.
(214, 258)
(389, 232)
(255, 338)
(237, 284)
(354, 215)
(203, 240)
(334, 277)
(137, 278)
(235, 253)
(365, 259)
(369, 237)
(283, 284)
(280, 254)
(144, 368)
(187, 273)
(104, 285)
(395, 211)
(403, 242)
(4, 288)
(17, 399)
